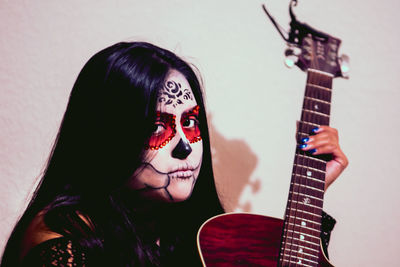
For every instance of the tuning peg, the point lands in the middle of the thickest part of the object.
(344, 62)
(292, 56)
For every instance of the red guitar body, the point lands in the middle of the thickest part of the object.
(241, 239)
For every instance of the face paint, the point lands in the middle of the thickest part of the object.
(190, 125)
(165, 128)
(173, 94)
(174, 152)
(158, 184)
(164, 131)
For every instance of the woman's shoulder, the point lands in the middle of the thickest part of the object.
(36, 233)
(40, 241)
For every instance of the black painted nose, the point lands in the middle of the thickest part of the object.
(182, 150)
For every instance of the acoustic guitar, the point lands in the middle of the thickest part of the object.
(242, 239)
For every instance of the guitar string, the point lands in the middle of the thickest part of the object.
(304, 160)
(297, 184)
(294, 205)
(308, 161)
(313, 118)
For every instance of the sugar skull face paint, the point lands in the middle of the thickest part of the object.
(165, 128)
(174, 152)
(164, 131)
(190, 125)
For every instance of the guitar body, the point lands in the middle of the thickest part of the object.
(242, 239)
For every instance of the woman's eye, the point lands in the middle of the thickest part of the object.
(158, 129)
(189, 123)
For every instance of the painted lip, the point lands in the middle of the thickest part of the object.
(183, 171)
(181, 174)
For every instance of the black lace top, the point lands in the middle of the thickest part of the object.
(64, 252)
(56, 252)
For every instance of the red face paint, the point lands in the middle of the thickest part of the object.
(165, 128)
(190, 125)
(164, 131)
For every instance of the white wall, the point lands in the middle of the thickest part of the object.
(253, 100)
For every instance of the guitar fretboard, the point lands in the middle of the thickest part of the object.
(302, 226)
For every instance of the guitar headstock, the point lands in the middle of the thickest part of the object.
(310, 49)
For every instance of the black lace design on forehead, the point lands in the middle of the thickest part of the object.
(173, 94)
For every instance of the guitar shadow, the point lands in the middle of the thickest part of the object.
(233, 163)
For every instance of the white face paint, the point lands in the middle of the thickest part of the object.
(173, 157)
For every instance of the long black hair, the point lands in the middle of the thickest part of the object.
(109, 117)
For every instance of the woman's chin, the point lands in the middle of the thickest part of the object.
(180, 189)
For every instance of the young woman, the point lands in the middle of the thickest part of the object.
(130, 178)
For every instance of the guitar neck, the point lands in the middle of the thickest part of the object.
(302, 224)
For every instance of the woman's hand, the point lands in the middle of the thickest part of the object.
(326, 141)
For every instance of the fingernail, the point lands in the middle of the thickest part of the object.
(303, 146)
(312, 151)
(315, 130)
(305, 139)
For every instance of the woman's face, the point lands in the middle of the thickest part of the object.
(174, 152)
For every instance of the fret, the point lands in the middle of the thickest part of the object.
(308, 187)
(316, 106)
(309, 200)
(304, 235)
(319, 78)
(310, 158)
(309, 172)
(315, 244)
(304, 213)
(301, 123)
(300, 229)
(316, 113)
(298, 263)
(306, 191)
(308, 181)
(303, 222)
(311, 117)
(304, 247)
(303, 195)
(308, 178)
(303, 173)
(301, 203)
(302, 134)
(294, 255)
(319, 87)
(318, 94)
(304, 227)
(306, 159)
(302, 252)
(311, 168)
(304, 219)
(317, 100)
(321, 72)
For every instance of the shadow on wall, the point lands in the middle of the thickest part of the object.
(233, 163)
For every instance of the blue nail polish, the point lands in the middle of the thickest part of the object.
(303, 146)
(305, 139)
(312, 151)
(315, 130)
